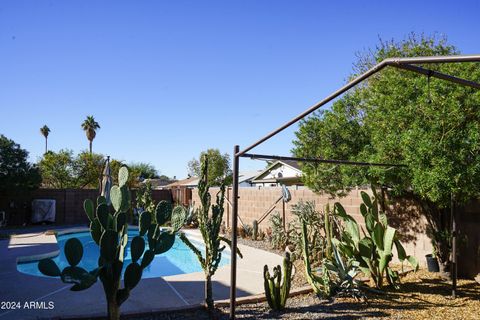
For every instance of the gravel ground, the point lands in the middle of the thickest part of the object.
(423, 295)
(298, 280)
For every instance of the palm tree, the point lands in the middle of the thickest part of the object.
(89, 126)
(45, 131)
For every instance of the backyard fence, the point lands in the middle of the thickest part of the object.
(403, 215)
(68, 204)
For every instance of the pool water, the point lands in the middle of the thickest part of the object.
(178, 260)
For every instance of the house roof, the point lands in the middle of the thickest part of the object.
(246, 176)
(193, 181)
(189, 182)
(157, 183)
(290, 163)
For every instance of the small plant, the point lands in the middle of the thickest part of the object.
(255, 230)
(192, 216)
(109, 231)
(306, 212)
(278, 237)
(210, 225)
(144, 199)
(336, 275)
(277, 291)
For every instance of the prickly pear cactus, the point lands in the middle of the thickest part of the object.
(109, 230)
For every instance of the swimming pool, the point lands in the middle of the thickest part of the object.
(178, 260)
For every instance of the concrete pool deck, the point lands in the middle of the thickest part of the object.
(24, 296)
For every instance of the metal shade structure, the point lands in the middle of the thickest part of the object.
(409, 64)
(106, 181)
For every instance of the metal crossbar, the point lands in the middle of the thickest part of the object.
(409, 64)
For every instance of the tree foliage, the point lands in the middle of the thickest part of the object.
(16, 173)
(429, 125)
(218, 167)
(143, 170)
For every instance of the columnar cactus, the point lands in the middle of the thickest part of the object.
(255, 230)
(109, 231)
(277, 292)
(210, 225)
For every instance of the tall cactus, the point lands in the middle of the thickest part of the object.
(109, 231)
(277, 291)
(210, 225)
(255, 230)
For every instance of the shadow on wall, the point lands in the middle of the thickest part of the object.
(407, 217)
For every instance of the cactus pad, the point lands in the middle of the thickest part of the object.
(163, 212)
(147, 258)
(120, 221)
(164, 242)
(145, 222)
(126, 199)
(122, 176)
(137, 247)
(102, 214)
(179, 215)
(89, 209)
(133, 274)
(116, 197)
(101, 199)
(74, 274)
(96, 230)
(108, 245)
(73, 251)
(49, 268)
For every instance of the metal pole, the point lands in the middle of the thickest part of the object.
(318, 160)
(233, 267)
(454, 247)
(394, 62)
(439, 75)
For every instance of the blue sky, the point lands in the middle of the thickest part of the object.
(168, 79)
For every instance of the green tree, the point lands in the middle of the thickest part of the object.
(17, 175)
(218, 167)
(143, 170)
(429, 125)
(64, 170)
(88, 169)
(90, 126)
(58, 169)
(45, 131)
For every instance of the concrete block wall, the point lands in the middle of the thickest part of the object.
(404, 216)
(68, 204)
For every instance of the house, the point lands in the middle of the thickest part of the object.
(159, 183)
(245, 178)
(280, 172)
(190, 182)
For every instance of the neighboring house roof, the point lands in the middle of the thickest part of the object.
(293, 174)
(189, 182)
(247, 176)
(192, 182)
(158, 183)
